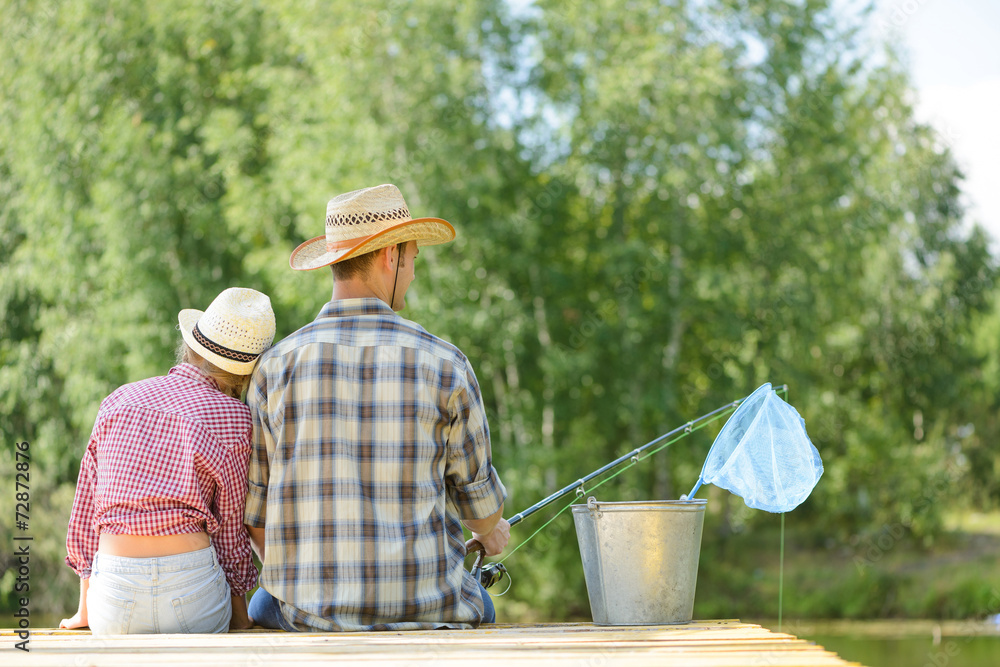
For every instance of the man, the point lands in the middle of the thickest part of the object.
(371, 447)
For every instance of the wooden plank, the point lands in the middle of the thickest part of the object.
(705, 643)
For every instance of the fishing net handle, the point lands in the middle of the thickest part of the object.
(477, 568)
(475, 545)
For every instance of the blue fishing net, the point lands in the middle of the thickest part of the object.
(763, 455)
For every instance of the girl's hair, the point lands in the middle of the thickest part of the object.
(230, 384)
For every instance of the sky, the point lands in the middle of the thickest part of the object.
(954, 61)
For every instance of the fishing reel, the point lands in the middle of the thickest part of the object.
(489, 574)
(492, 574)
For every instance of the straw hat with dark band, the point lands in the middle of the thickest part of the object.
(364, 221)
(233, 332)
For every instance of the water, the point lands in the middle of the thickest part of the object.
(905, 643)
(914, 651)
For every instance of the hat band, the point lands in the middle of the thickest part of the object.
(331, 246)
(224, 352)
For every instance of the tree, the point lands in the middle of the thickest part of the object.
(659, 207)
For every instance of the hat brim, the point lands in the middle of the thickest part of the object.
(186, 320)
(425, 231)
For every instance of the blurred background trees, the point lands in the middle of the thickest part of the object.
(659, 206)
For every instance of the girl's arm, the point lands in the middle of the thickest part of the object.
(78, 620)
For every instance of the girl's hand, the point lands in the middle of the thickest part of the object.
(77, 621)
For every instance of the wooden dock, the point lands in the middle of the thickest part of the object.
(726, 643)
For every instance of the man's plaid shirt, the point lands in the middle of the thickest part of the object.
(370, 444)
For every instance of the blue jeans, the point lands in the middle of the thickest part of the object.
(169, 594)
(265, 610)
(489, 611)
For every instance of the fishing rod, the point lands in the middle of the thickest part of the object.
(494, 572)
(578, 485)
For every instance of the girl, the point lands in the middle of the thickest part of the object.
(156, 532)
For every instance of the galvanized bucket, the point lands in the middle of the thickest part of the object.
(640, 559)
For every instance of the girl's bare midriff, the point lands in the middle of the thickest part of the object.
(148, 546)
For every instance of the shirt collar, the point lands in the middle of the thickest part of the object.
(356, 307)
(191, 372)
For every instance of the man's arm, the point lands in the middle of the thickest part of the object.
(474, 485)
(257, 541)
(258, 472)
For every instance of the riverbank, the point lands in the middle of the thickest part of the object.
(884, 575)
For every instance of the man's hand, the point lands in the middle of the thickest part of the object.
(495, 541)
(493, 532)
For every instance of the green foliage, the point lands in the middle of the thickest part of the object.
(659, 205)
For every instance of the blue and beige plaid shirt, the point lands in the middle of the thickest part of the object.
(370, 444)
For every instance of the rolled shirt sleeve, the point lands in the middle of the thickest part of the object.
(231, 539)
(255, 513)
(81, 538)
(473, 483)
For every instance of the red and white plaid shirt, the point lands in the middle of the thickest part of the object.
(167, 456)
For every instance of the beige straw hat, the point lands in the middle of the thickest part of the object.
(366, 220)
(233, 332)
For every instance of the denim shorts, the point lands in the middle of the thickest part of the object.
(169, 594)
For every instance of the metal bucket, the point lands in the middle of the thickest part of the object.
(640, 559)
